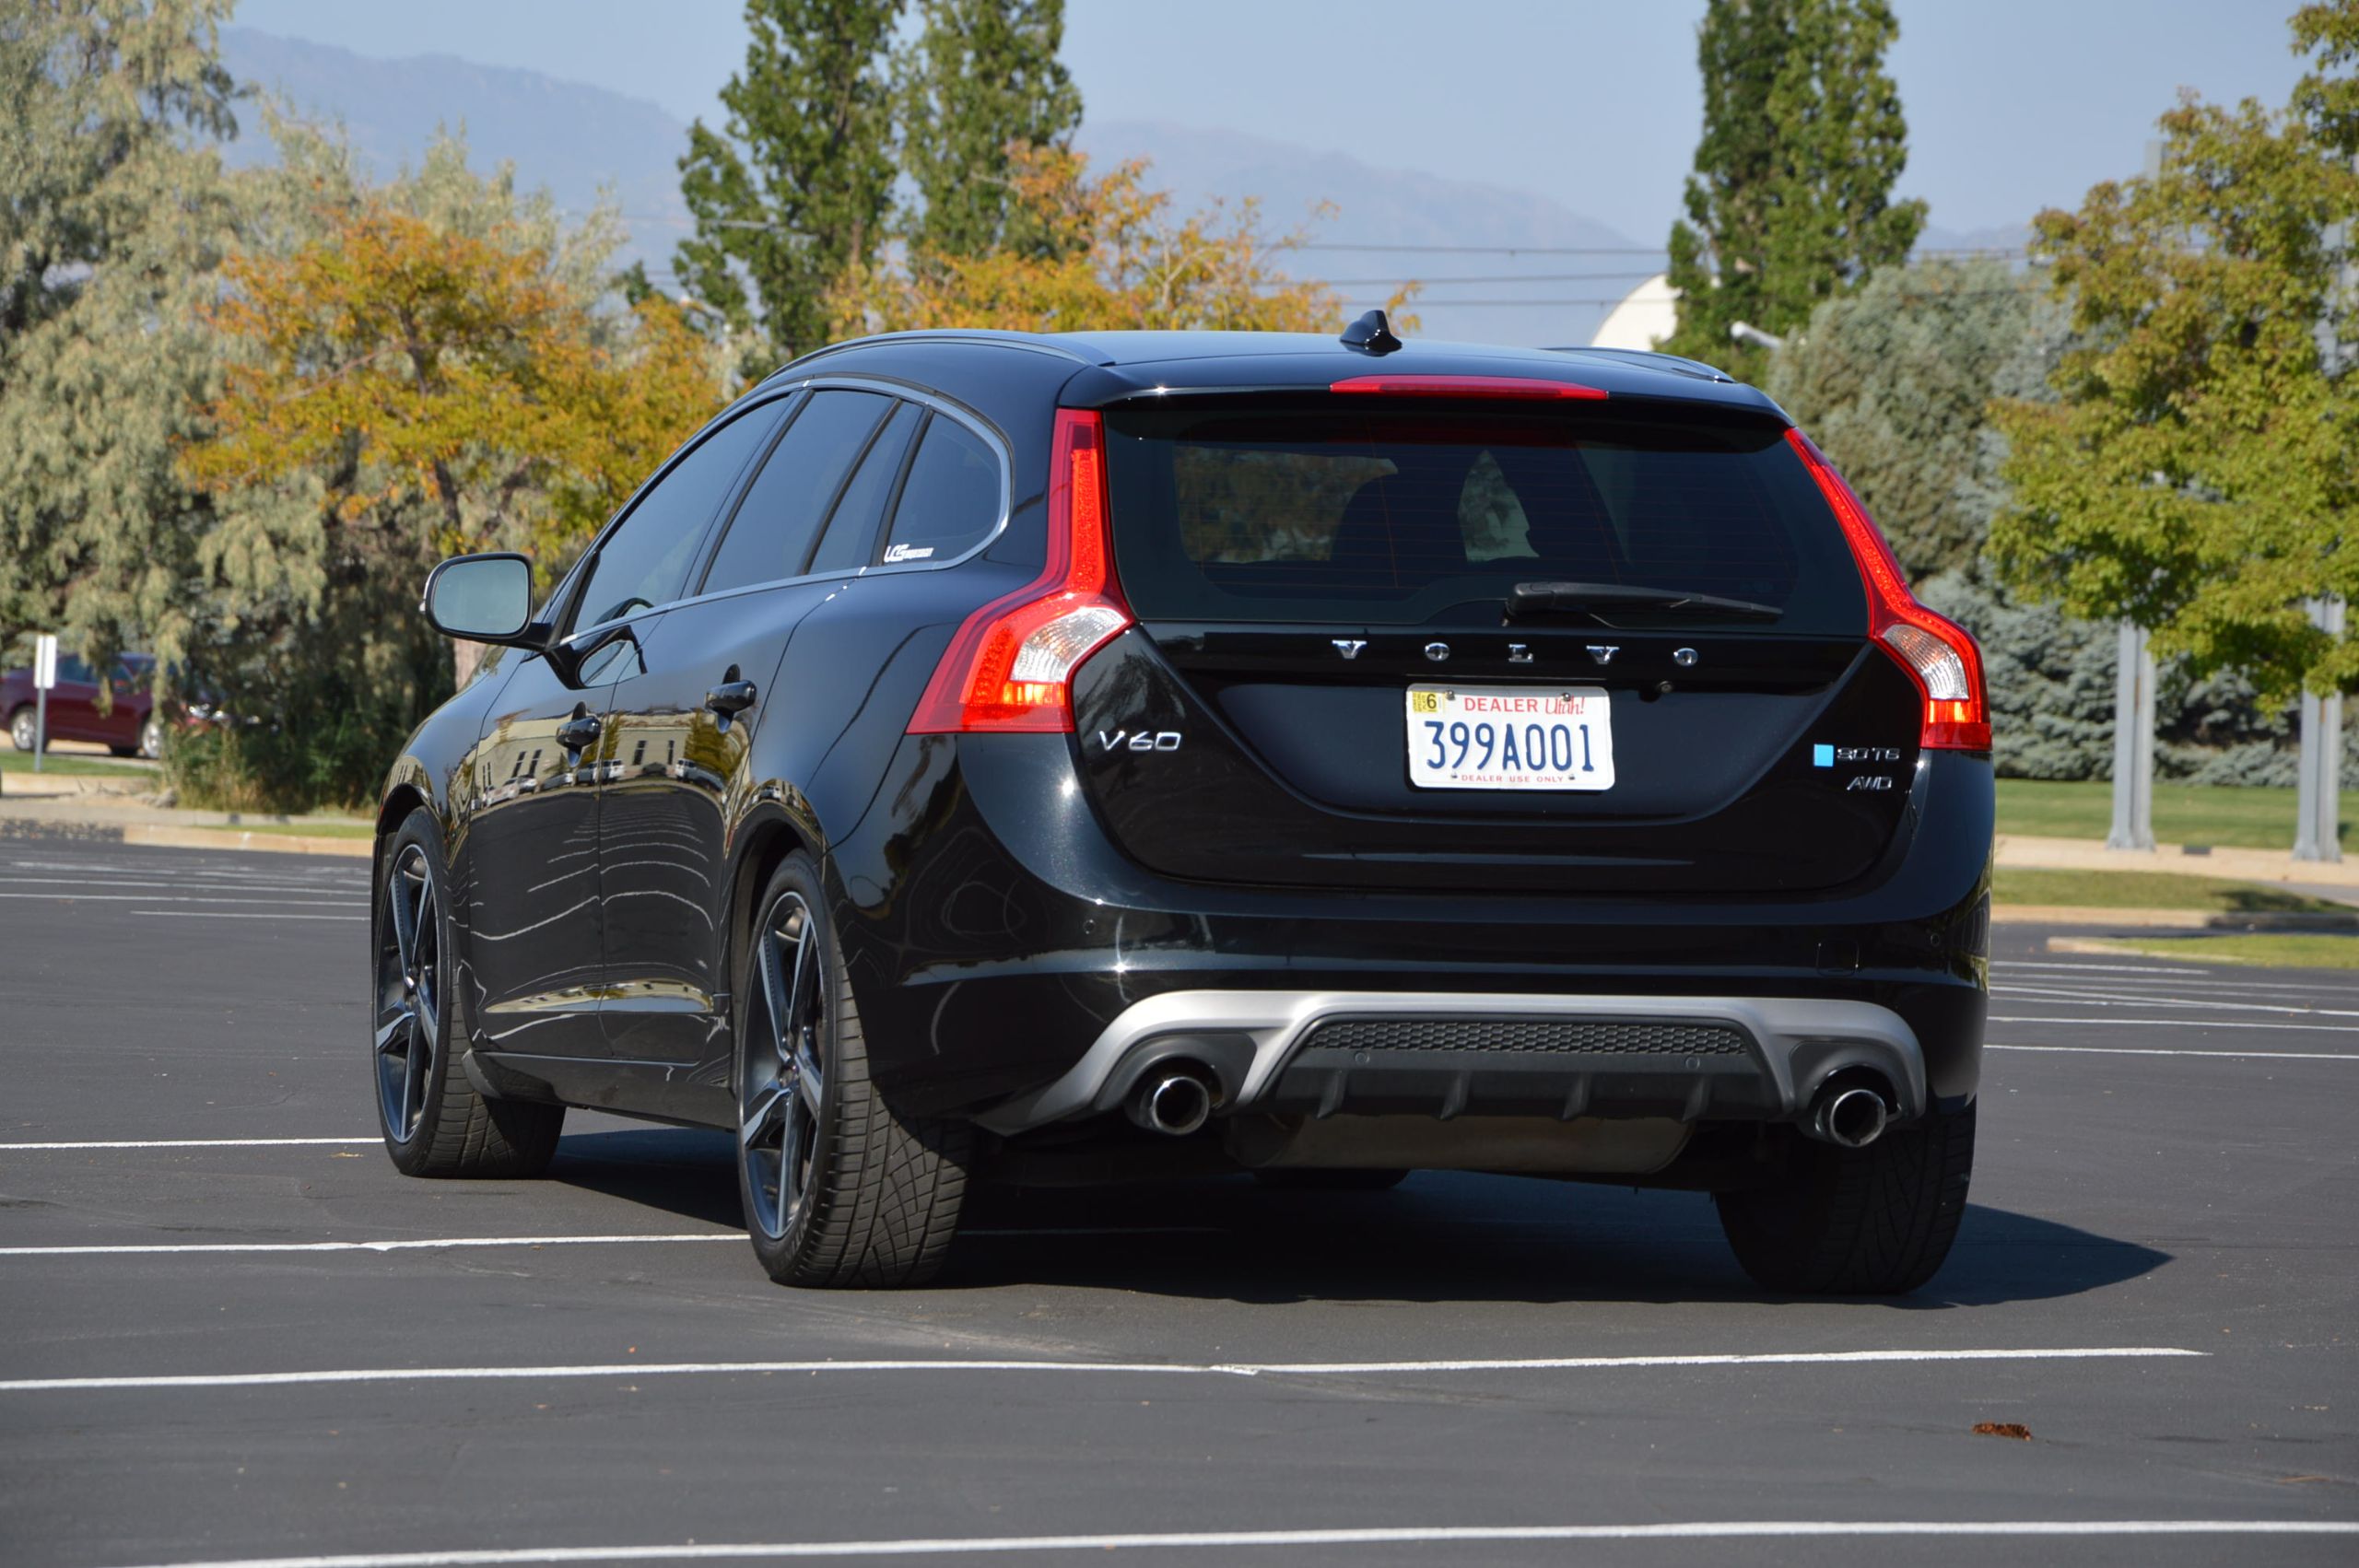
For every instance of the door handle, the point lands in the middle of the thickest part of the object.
(578, 733)
(731, 697)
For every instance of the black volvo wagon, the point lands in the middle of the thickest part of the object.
(991, 755)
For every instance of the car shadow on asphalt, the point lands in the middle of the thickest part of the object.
(1440, 1237)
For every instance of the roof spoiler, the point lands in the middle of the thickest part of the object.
(1647, 359)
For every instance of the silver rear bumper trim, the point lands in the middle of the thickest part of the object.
(1276, 1021)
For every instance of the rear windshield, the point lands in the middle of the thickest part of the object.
(1399, 517)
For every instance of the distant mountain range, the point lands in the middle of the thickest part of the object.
(1530, 270)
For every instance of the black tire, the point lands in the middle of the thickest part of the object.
(434, 1122)
(837, 1189)
(1316, 1179)
(20, 728)
(1877, 1221)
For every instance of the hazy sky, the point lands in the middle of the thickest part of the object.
(2012, 104)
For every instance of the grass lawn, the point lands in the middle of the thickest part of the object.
(331, 827)
(2287, 950)
(2184, 813)
(15, 761)
(2150, 890)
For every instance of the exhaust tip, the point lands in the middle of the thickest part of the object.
(1850, 1117)
(1174, 1102)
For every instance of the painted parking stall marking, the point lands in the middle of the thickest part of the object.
(1201, 1369)
(1232, 1541)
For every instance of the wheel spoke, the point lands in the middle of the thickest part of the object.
(413, 1082)
(806, 1073)
(394, 1029)
(773, 989)
(799, 999)
(397, 909)
(754, 1132)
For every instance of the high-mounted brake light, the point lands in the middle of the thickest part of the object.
(1011, 664)
(1939, 654)
(1464, 386)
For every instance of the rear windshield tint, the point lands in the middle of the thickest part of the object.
(1400, 518)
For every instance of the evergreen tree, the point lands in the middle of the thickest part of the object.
(793, 192)
(983, 76)
(1790, 202)
(1895, 380)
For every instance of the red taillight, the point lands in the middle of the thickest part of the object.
(1010, 666)
(1463, 386)
(1939, 654)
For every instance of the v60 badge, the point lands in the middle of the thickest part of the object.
(1139, 741)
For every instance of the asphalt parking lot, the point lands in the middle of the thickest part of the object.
(234, 1333)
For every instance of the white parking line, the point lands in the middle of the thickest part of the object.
(133, 1248)
(304, 903)
(224, 915)
(1185, 1369)
(2212, 1004)
(184, 1143)
(1231, 1540)
(2170, 1024)
(2224, 1054)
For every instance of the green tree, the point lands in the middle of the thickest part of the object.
(793, 191)
(113, 212)
(983, 76)
(1790, 202)
(2200, 472)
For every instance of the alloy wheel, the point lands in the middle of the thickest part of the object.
(409, 1010)
(781, 1075)
(20, 730)
(151, 739)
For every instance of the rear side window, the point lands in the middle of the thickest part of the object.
(1394, 518)
(778, 521)
(645, 560)
(852, 532)
(950, 503)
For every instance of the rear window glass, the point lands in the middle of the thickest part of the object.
(951, 499)
(1396, 517)
(852, 532)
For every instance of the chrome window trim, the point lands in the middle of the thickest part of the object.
(761, 397)
(772, 391)
(925, 399)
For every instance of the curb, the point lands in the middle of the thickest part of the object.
(2169, 920)
(2117, 948)
(166, 837)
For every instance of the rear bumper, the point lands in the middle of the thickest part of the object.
(1447, 1053)
(1003, 952)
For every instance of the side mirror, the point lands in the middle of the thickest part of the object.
(482, 599)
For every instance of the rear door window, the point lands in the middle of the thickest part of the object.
(852, 532)
(1399, 517)
(951, 501)
(772, 534)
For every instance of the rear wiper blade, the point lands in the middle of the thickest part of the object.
(1596, 598)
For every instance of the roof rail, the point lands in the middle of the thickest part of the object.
(1652, 361)
(1035, 342)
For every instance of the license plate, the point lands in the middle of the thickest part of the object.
(1510, 738)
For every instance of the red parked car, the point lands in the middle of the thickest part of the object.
(131, 726)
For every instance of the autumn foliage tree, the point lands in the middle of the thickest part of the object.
(445, 393)
(433, 366)
(1099, 252)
